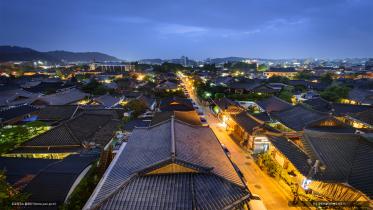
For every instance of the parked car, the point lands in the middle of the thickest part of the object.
(204, 121)
(200, 113)
(256, 203)
(226, 150)
(147, 114)
(238, 171)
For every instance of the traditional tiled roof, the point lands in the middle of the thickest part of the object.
(17, 168)
(346, 157)
(246, 85)
(330, 124)
(63, 97)
(56, 113)
(215, 184)
(176, 104)
(137, 123)
(298, 117)
(281, 69)
(264, 89)
(363, 96)
(47, 87)
(222, 80)
(339, 109)
(192, 191)
(114, 113)
(190, 117)
(246, 121)
(74, 133)
(53, 183)
(364, 116)
(132, 94)
(167, 85)
(292, 152)
(13, 112)
(147, 100)
(262, 116)
(310, 85)
(16, 97)
(319, 104)
(108, 100)
(273, 104)
(224, 103)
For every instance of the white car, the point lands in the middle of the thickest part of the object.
(256, 203)
(226, 150)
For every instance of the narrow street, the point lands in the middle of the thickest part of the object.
(258, 182)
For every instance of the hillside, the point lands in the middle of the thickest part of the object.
(15, 53)
(66, 56)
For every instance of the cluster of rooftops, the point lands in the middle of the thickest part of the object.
(315, 132)
(170, 165)
(172, 162)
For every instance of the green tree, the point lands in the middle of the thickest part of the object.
(8, 194)
(286, 95)
(168, 67)
(11, 136)
(95, 88)
(209, 67)
(327, 78)
(278, 79)
(335, 93)
(219, 95)
(303, 75)
(242, 66)
(262, 67)
(138, 107)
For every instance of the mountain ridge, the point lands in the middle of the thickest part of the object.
(16, 53)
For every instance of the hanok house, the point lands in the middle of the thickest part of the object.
(47, 180)
(359, 96)
(171, 165)
(363, 121)
(65, 97)
(86, 131)
(242, 127)
(273, 104)
(107, 101)
(16, 97)
(54, 115)
(14, 115)
(223, 107)
(291, 122)
(250, 86)
(56, 182)
(330, 166)
(176, 104)
(150, 103)
(168, 86)
(189, 117)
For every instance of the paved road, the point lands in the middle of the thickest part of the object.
(258, 182)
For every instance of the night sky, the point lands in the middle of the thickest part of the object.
(196, 28)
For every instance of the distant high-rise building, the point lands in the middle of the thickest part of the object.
(184, 60)
(369, 64)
